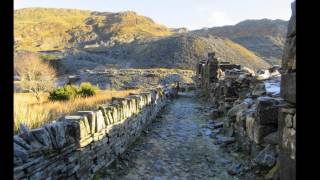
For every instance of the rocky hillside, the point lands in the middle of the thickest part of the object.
(265, 37)
(88, 39)
(181, 51)
(38, 29)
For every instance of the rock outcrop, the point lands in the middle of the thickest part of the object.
(265, 37)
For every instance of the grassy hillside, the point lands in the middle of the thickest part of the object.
(54, 29)
(88, 39)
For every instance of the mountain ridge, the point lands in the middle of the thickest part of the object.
(265, 37)
(126, 38)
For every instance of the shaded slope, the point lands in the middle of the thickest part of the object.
(183, 51)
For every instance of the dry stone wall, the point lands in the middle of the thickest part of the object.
(248, 103)
(257, 109)
(287, 114)
(76, 146)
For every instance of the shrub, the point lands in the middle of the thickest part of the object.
(86, 90)
(66, 92)
(49, 57)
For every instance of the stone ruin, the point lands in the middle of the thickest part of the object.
(77, 146)
(257, 109)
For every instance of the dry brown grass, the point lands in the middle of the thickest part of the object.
(34, 114)
(242, 50)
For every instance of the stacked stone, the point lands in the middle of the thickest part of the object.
(76, 146)
(234, 84)
(287, 114)
(250, 110)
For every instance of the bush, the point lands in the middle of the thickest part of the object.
(49, 57)
(66, 92)
(86, 90)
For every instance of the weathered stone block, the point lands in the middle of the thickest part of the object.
(289, 121)
(287, 167)
(259, 90)
(17, 139)
(91, 117)
(272, 138)
(20, 154)
(235, 109)
(77, 128)
(42, 136)
(256, 132)
(288, 87)
(294, 121)
(287, 132)
(267, 157)
(267, 110)
(289, 141)
(57, 134)
(109, 111)
(100, 122)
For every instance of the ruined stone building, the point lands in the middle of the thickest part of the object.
(258, 109)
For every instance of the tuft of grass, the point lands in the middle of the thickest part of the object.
(34, 114)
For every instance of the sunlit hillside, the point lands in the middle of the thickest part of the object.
(52, 29)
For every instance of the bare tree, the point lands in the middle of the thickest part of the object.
(35, 75)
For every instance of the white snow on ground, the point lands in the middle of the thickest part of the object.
(273, 88)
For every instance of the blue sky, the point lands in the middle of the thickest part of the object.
(192, 14)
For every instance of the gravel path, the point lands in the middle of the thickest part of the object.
(177, 145)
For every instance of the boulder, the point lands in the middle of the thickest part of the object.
(249, 71)
(267, 157)
(235, 109)
(256, 132)
(263, 74)
(273, 174)
(272, 138)
(259, 90)
(267, 110)
(235, 169)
